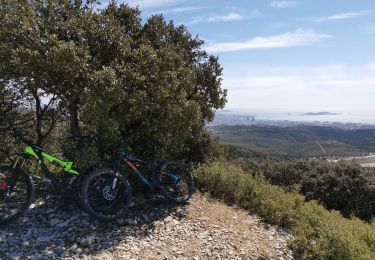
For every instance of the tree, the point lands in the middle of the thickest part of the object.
(109, 76)
(24, 51)
(12, 115)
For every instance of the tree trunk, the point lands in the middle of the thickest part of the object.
(38, 117)
(74, 121)
(39, 138)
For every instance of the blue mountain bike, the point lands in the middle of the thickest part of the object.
(106, 186)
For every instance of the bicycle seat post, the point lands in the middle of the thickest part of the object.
(118, 166)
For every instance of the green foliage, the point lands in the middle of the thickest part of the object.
(319, 234)
(342, 186)
(108, 75)
(87, 154)
(10, 101)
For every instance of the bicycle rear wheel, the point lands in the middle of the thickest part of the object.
(16, 193)
(106, 195)
(174, 181)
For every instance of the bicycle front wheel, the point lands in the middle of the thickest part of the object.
(174, 181)
(106, 195)
(16, 193)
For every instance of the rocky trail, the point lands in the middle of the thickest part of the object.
(154, 229)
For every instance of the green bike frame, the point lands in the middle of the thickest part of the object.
(52, 159)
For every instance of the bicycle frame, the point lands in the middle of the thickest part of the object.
(67, 166)
(134, 164)
(41, 156)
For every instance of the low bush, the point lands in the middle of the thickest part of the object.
(343, 186)
(319, 233)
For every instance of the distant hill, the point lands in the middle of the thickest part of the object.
(320, 114)
(298, 141)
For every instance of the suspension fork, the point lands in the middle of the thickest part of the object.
(114, 182)
(8, 185)
(14, 165)
(11, 179)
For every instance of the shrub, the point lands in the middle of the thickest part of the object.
(343, 186)
(319, 233)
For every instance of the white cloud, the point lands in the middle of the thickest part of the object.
(182, 9)
(283, 4)
(300, 37)
(194, 20)
(149, 3)
(342, 16)
(232, 16)
(338, 88)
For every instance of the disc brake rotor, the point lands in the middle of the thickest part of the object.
(109, 193)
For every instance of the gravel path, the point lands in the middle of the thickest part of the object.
(154, 229)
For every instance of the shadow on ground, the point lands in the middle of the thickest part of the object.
(48, 231)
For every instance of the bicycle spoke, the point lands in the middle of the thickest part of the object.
(102, 198)
(176, 181)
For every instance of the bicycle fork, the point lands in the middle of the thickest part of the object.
(114, 182)
(16, 162)
(8, 185)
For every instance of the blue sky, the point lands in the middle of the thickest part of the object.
(284, 55)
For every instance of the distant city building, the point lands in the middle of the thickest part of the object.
(251, 118)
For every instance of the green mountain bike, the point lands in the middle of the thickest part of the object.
(17, 188)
